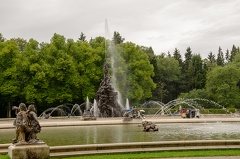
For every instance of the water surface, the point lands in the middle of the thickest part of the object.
(78, 135)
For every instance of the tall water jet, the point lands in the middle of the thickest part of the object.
(95, 108)
(108, 96)
(127, 106)
(87, 108)
(117, 66)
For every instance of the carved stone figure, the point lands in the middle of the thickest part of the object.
(106, 98)
(26, 124)
(33, 124)
(149, 126)
(21, 123)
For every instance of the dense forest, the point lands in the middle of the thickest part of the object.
(68, 71)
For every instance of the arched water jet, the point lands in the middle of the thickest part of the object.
(76, 109)
(190, 103)
(61, 110)
(64, 110)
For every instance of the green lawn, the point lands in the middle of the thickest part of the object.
(161, 154)
(164, 154)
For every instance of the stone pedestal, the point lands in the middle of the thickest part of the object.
(29, 151)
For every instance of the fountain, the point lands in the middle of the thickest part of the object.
(105, 104)
(66, 109)
(106, 98)
(167, 109)
(88, 113)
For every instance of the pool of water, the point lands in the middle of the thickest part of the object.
(78, 135)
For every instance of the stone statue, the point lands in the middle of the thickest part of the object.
(26, 124)
(33, 124)
(149, 126)
(20, 122)
(106, 97)
(105, 69)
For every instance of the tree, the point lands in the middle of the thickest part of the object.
(177, 56)
(185, 71)
(138, 72)
(233, 52)
(61, 73)
(169, 54)
(227, 56)
(210, 61)
(196, 73)
(199, 93)
(167, 75)
(222, 85)
(82, 37)
(9, 82)
(149, 51)
(117, 38)
(162, 91)
(211, 58)
(20, 43)
(220, 57)
(32, 72)
(236, 60)
(2, 39)
(152, 58)
(90, 58)
(187, 61)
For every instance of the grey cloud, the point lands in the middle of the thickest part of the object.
(165, 25)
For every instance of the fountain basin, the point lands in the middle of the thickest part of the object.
(115, 136)
(77, 132)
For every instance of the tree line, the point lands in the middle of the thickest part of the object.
(68, 71)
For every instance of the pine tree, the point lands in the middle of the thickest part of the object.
(220, 57)
(211, 58)
(188, 57)
(169, 54)
(227, 56)
(185, 71)
(233, 52)
(177, 56)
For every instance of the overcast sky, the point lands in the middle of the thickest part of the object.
(204, 25)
